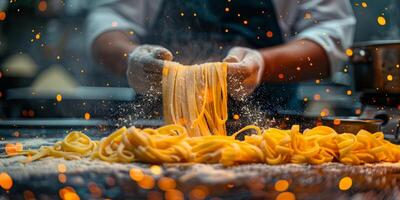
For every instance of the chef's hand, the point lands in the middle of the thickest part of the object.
(245, 71)
(145, 65)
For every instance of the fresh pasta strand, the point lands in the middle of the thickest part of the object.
(196, 97)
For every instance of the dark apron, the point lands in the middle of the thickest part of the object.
(198, 31)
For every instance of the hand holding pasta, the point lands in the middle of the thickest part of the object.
(145, 65)
(245, 71)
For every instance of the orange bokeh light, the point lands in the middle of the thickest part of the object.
(147, 182)
(345, 183)
(62, 178)
(61, 168)
(42, 6)
(6, 181)
(269, 34)
(286, 196)
(166, 183)
(136, 174)
(3, 16)
(87, 116)
(199, 192)
(281, 185)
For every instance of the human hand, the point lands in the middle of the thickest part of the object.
(245, 71)
(145, 65)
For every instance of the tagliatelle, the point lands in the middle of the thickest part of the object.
(195, 106)
(196, 97)
(171, 144)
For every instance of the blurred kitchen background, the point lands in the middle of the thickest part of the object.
(43, 54)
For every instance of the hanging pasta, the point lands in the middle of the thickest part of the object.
(196, 97)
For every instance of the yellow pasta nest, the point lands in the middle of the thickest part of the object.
(171, 144)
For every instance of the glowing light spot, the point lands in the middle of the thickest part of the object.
(94, 189)
(349, 52)
(245, 22)
(236, 117)
(317, 81)
(389, 77)
(71, 196)
(10, 149)
(174, 195)
(349, 92)
(286, 196)
(364, 4)
(226, 9)
(397, 66)
(3, 16)
(61, 168)
(87, 116)
(269, 34)
(324, 112)
(156, 169)
(58, 57)
(281, 76)
(166, 183)
(357, 111)
(345, 183)
(31, 113)
(42, 6)
(136, 174)
(63, 191)
(62, 178)
(182, 14)
(59, 98)
(305, 99)
(317, 97)
(194, 14)
(336, 121)
(6, 181)
(37, 36)
(381, 21)
(147, 182)
(226, 30)
(307, 15)
(199, 192)
(281, 185)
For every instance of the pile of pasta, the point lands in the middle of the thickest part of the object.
(195, 107)
(172, 144)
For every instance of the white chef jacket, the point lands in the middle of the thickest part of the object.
(329, 23)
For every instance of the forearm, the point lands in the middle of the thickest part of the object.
(295, 61)
(111, 49)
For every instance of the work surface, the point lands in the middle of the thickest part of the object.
(94, 179)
